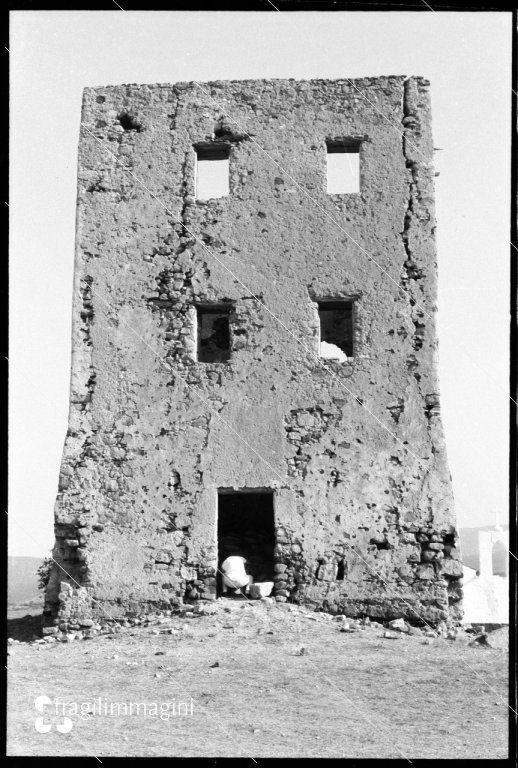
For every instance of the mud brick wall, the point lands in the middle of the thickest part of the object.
(354, 455)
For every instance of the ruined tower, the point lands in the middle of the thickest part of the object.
(254, 352)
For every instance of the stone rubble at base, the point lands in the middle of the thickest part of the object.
(173, 622)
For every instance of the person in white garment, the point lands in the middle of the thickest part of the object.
(235, 575)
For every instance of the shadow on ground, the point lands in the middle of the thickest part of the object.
(25, 628)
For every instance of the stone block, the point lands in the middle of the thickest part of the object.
(451, 569)
(268, 600)
(452, 552)
(399, 625)
(425, 572)
(498, 638)
(261, 589)
(189, 574)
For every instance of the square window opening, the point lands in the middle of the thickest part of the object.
(212, 171)
(246, 529)
(343, 167)
(336, 329)
(213, 333)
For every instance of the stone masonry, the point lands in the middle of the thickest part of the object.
(351, 452)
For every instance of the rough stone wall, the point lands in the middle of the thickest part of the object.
(355, 454)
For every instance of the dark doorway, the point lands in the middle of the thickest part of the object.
(246, 528)
(213, 333)
(336, 326)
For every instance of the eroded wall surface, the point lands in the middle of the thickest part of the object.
(354, 452)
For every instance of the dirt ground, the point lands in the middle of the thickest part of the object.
(259, 680)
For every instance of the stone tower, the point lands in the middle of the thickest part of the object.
(254, 352)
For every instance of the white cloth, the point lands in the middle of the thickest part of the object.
(332, 352)
(234, 574)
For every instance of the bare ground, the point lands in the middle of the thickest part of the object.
(262, 681)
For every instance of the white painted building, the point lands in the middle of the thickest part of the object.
(486, 590)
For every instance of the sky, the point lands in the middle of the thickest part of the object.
(467, 58)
